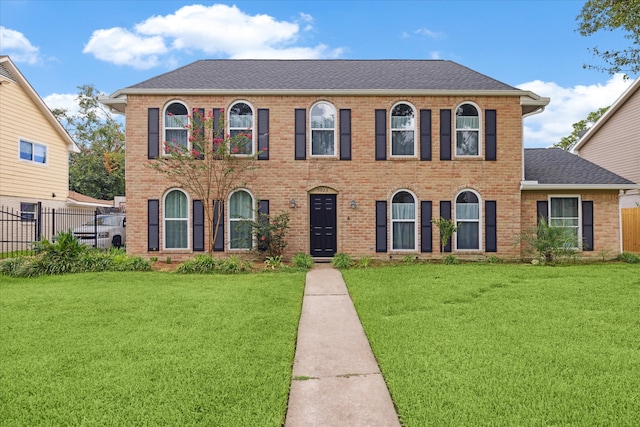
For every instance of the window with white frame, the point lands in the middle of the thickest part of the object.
(176, 220)
(403, 130)
(32, 152)
(241, 125)
(28, 211)
(241, 212)
(467, 221)
(467, 130)
(403, 221)
(565, 212)
(323, 129)
(176, 120)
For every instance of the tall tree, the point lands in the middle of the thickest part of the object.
(567, 142)
(610, 15)
(98, 169)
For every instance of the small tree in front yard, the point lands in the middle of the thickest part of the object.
(270, 232)
(215, 164)
(550, 243)
(447, 227)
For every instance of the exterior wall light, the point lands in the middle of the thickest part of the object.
(292, 202)
(353, 204)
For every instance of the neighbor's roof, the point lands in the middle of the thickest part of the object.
(78, 199)
(557, 169)
(326, 77)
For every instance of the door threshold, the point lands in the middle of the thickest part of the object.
(322, 259)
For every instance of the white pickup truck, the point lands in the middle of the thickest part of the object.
(110, 229)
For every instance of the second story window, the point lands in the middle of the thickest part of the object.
(323, 130)
(403, 130)
(176, 119)
(32, 152)
(241, 125)
(467, 131)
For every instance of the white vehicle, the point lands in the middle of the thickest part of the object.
(110, 229)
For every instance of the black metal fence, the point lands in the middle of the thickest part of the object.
(19, 230)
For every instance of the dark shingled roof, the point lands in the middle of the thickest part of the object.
(557, 166)
(239, 74)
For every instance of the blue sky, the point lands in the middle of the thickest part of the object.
(533, 45)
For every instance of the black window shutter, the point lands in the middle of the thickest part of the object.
(381, 226)
(426, 227)
(263, 133)
(345, 134)
(198, 130)
(490, 145)
(198, 226)
(543, 211)
(300, 134)
(218, 244)
(587, 226)
(445, 134)
(381, 135)
(425, 135)
(153, 225)
(490, 226)
(445, 213)
(153, 133)
(263, 207)
(217, 125)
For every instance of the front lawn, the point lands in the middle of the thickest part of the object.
(147, 349)
(505, 345)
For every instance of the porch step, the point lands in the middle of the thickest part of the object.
(322, 260)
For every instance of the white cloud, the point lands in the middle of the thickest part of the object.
(122, 47)
(214, 30)
(567, 106)
(429, 33)
(67, 101)
(18, 47)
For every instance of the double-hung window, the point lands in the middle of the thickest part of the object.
(176, 132)
(467, 130)
(32, 152)
(323, 129)
(468, 221)
(241, 125)
(176, 220)
(28, 211)
(565, 213)
(403, 221)
(403, 130)
(241, 212)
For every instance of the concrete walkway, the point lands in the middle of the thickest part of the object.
(336, 379)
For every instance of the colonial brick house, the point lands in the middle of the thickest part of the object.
(361, 154)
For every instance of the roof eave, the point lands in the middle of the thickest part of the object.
(532, 104)
(535, 186)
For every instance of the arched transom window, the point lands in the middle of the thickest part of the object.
(403, 221)
(403, 130)
(323, 129)
(176, 220)
(176, 120)
(241, 126)
(241, 211)
(467, 130)
(468, 220)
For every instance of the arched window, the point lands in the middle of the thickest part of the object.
(323, 129)
(403, 130)
(176, 220)
(176, 120)
(240, 211)
(241, 125)
(468, 221)
(467, 130)
(403, 221)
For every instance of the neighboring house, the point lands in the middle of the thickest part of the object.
(77, 200)
(361, 155)
(613, 142)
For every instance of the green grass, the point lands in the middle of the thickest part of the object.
(152, 349)
(505, 345)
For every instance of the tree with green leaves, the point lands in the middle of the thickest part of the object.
(98, 169)
(612, 15)
(568, 142)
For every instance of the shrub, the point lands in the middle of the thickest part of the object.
(364, 262)
(302, 260)
(341, 260)
(409, 259)
(629, 258)
(234, 265)
(450, 260)
(273, 262)
(270, 232)
(493, 259)
(550, 244)
(201, 264)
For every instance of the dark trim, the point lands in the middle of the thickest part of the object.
(445, 134)
(587, 226)
(263, 133)
(445, 213)
(198, 124)
(217, 132)
(345, 134)
(542, 208)
(426, 227)
(153, 133)
(490, 142)
(490, 226)
(218, 245)
(300, 134)
(381, 226)
(153, 225)
(198, 226)
(425, 135)
(381, 134)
